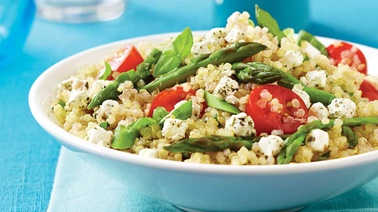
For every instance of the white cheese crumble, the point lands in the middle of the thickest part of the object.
(270, 145)
(241, 124)
(236, 34)
(225, 88)
(174, 129)
(77, 99)
(106, 108)
(97, 86)
(316, 78)
(309, 49)
(210, 43)
(318, 140)
(99, 136)
(342, 108)
(149, 153)
(292, 58)
(297, 88)
(318, 110)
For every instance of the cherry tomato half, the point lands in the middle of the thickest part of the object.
(369, 90)
(169, 97)
(348, 54)
(127, 58)
(273, 107)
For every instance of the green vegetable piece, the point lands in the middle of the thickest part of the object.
(182, 112)
(261, 73)
(107, 72)
(111, 92)
(171, 59)
(104, 125)
(168, 62)
(350, 135)
(61, 103)
(258, 73)
(159, 114)
(212, 143)
(306, 36)
(183, 43)
(212, 101)
(144, 69)
(264, 19)
(124, 137)
(292, 142)
(235, 53)
(142, 72)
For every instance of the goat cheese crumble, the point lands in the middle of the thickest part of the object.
(271, 145)
(342, 108)
(174, 129)
(318, 140)
(241, 125)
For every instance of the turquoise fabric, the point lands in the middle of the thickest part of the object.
(32, 179)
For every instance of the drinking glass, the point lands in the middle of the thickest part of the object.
(16, 17)
(80, 11)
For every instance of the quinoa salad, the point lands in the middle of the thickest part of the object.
(245, 94)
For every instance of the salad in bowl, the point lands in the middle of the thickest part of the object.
(248, 117)
(245, 94)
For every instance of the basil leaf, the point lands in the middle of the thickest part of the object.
(104, 125)
(182, 112)
(212, 101)
(264, 19)
(107, 72)
(167, 62)
(183, 43)
(124, 137)
(159, 113)
(306, 36)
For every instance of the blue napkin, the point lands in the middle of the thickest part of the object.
(80, 187)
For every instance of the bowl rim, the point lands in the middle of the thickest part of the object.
(79, 145)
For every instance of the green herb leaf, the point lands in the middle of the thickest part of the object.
(159, 114)
(183, 43)
(306, 36)
(124, 137)
(212, 101)
(167, 62)
(61, 103)
(104, 125)
(264, 19)
(182, 112)
(107, 72)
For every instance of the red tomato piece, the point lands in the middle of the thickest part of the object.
(369, 90)
(169, 97)
(348, 54)
(126, 59)
(273, 107)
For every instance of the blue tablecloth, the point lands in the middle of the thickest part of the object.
(28, 155)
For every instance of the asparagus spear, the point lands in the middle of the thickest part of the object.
(142, 72)
(235, 53)
(293, 142)
(212, 143)
(261, 73)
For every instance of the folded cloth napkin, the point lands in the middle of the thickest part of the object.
(80, 187)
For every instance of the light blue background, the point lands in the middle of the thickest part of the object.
(28, 155)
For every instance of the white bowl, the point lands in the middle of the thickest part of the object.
(201, 186)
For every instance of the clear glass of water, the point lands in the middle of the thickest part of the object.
(16, 17)
(80, 11)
